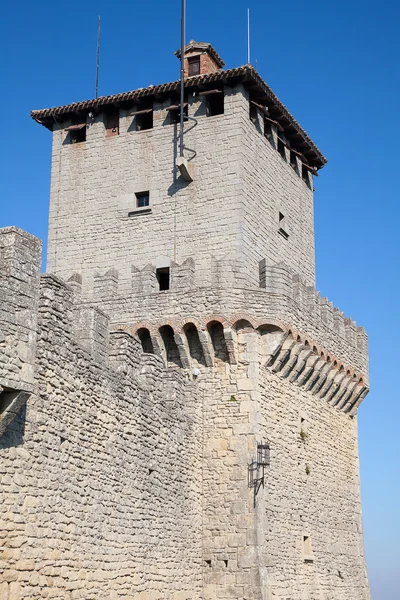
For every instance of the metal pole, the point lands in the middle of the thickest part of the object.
(248, 36)
(183, 23)
(98, 57)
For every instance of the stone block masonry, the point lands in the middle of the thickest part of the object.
(101, 474)
(179, 333)
(126, 475)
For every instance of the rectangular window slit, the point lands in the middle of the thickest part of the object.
(111, 121)
(281, 148)
(307, 550)
(282, 226)
(194, 65)
(163, 278)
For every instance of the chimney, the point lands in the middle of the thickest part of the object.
(200, 59)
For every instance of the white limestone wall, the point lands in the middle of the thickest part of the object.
(271, 186)
(311, 487)
(94, 183)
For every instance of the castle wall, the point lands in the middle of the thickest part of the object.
(101, 470)
(284, 298)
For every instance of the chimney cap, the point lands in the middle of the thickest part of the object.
(202, 47)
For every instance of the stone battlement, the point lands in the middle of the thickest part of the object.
(282, 298)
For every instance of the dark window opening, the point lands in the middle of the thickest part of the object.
(194, 65)
(77, 133)
(163, 278)
(306, 175)
(281, 148)
(142, 199)
(253, 113)
(282, 226)
(144, 115)
(293, 160)
(226, 563)
(215, 105)
(170, 349)
(145, 339)
(111, 121)
(216, 332)
(208, 562)
(268, 133)
(175, 114)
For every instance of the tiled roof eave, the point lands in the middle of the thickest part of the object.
(245, 74)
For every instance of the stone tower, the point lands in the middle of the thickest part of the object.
(216, 280)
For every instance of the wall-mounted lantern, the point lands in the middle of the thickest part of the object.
(256, 469)
(263, 455)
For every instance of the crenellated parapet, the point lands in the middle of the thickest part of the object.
(282, 297)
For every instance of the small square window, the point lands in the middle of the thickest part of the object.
(76, 133)
(194, 65)
(175, 114)
(215, 105)
(142, 199)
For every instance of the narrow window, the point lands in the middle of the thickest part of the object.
(307, 550)
(253, 113)
(282, 226)
(111, 121)
(268, 131)
(194, 65)
(145, 339)
(306, 175)
(163, 278)
(77, 133)
(293, 160)
(215, 105)
(281, 146)
(142, 199)
(144, 115)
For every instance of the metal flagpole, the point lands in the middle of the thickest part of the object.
(98, 57)
(248, 36)
(183, 24)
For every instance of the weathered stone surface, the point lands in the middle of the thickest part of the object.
(129, 469)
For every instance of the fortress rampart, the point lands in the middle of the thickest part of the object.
(282, 300)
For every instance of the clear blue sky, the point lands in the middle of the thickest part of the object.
(336, 67)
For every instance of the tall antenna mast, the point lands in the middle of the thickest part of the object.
(98, 57)
(248, 36)
(183, 27)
